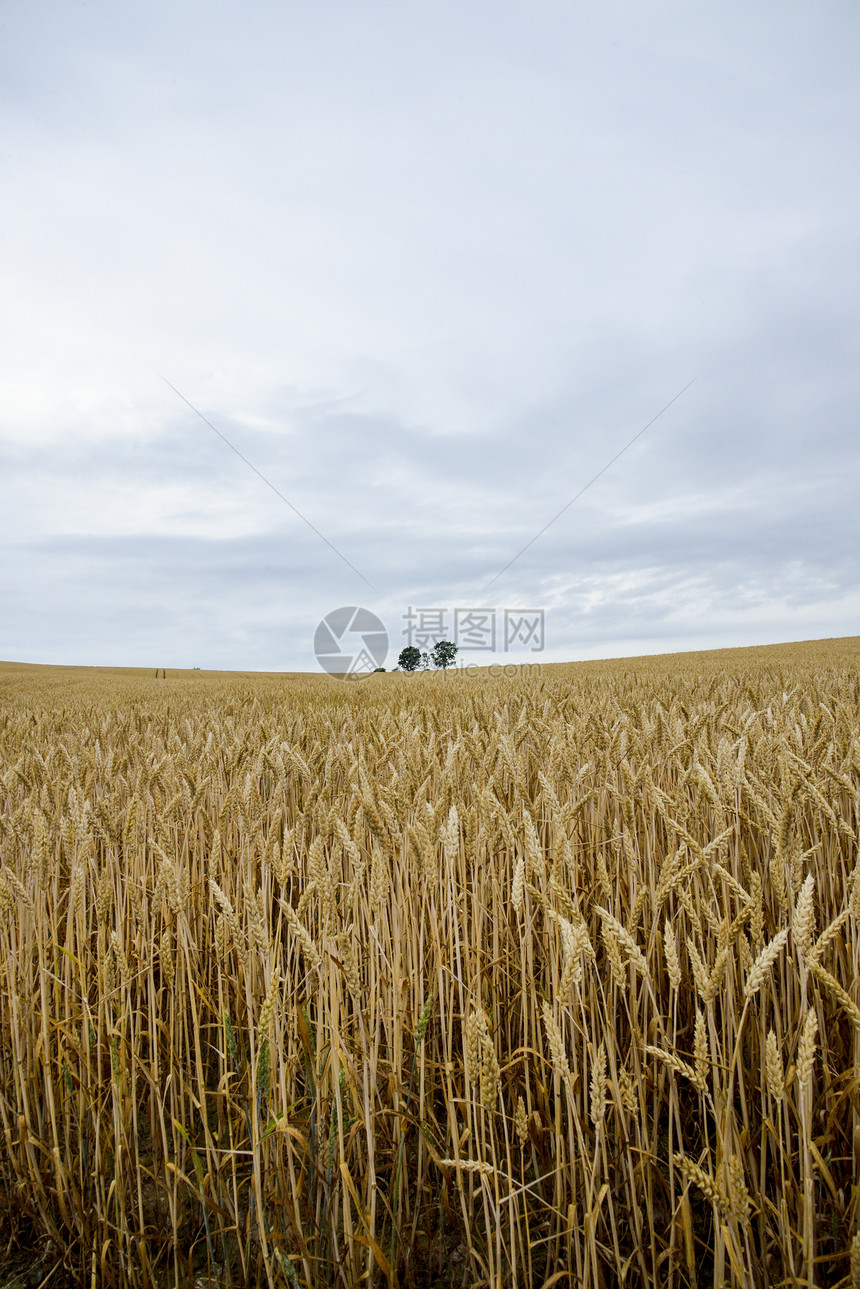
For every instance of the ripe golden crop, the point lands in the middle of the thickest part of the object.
(466, 980)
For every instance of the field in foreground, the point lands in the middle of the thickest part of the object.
(434, 981)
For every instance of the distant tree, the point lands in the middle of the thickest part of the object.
(376, 669)
(444, 653)
(409, 658)
(425, 662)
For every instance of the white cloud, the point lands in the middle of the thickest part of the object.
(428, 268)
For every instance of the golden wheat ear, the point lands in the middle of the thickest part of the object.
(512, 981)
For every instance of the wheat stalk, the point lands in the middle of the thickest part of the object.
(763, 963)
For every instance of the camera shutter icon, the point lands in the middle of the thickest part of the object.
(350, 642)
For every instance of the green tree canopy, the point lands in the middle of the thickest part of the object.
(409, 658)
(443, 653)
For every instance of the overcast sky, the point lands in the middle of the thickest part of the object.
(428, 267)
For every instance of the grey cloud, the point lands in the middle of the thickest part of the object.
(429, 268)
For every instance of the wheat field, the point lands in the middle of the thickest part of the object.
(436, 980)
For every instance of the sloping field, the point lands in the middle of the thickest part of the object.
(445, 981)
